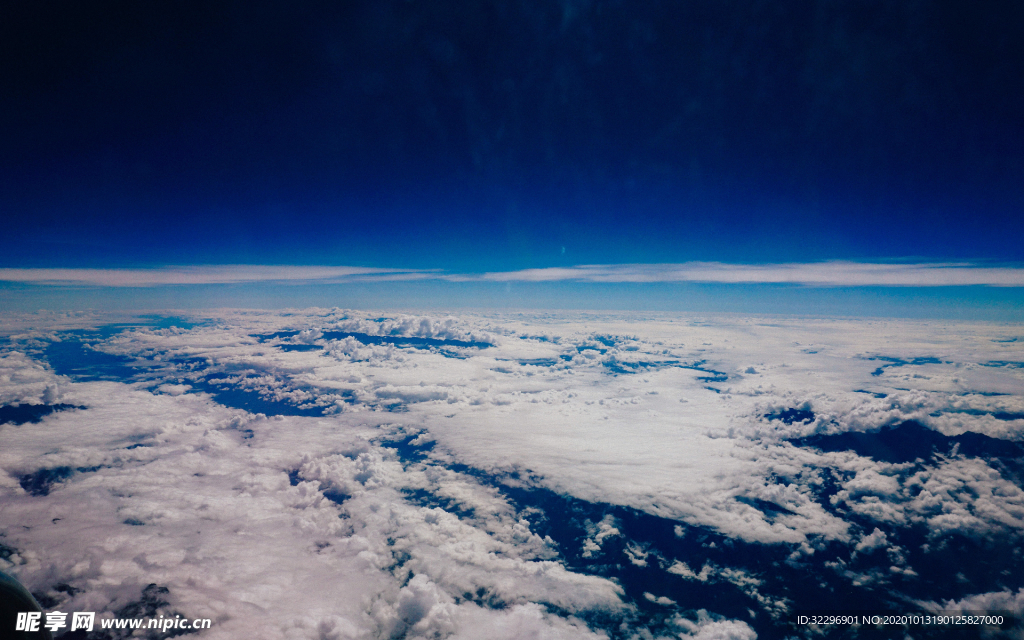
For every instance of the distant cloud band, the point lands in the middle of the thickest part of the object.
(834, 274)
(202, 274)
(826, 274)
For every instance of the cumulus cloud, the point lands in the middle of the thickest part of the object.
(24, 380)
(598, 533)
(710, 627)
(875, 540)
(205, 508)
(234, 511)
(1005, 600)
(963, 496)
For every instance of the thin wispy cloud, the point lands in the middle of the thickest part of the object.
(204, 274)
(836, 274)
(821, 274)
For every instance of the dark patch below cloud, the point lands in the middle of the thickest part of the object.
(911, 440)
(34, 413)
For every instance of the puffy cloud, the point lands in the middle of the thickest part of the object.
(875, 540)
(208, 511)
(23, 380)
(1006, 600)
(709, 627)
(964, 496)
(681, 569)
(598, 533)
(252, 520)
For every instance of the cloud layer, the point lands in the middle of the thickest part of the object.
(832, 274)
(325, 473)
(824, 274)
(200, 274)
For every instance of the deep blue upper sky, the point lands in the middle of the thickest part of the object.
(476, 135)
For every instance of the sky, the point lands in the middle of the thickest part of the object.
(471, 138)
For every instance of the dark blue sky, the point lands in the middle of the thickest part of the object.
(481, 135)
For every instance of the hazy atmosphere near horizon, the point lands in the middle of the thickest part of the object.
(439, 140)
(529, 319)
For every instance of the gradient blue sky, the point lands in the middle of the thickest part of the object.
(473, 137)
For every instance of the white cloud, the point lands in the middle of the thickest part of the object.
(219, 523)
(1005, 600)
(829, 274)
(598, 533)
(875, 540)
(682, 569)
(26, 381)
(203, 274)
(174, 389)
(710, 627)
(964, 496)
(210, 513)
(833, 274)
(662, 600)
